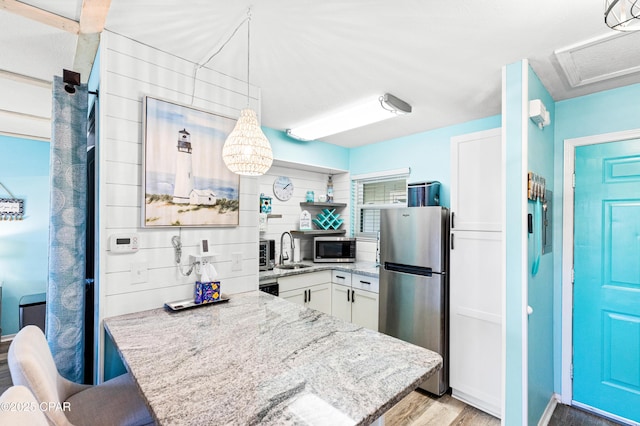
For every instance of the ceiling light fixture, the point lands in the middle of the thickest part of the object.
(371, 111)
(622, 15)
(247, 150)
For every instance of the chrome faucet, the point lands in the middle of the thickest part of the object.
(284, 256)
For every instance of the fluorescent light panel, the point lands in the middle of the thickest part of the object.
(370, 111)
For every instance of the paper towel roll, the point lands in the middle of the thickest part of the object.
(296, 250)
(262, 222)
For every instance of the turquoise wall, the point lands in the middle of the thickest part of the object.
(316, 153)
(427, 153)
(604, 112)
(540, 287)
(24, 170)
(515, 240)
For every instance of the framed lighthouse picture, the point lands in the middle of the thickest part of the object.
(185, 181)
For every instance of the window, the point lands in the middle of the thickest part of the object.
(374, 192)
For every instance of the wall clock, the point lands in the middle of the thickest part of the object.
(283, 188)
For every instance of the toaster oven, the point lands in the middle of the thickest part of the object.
(267, 255)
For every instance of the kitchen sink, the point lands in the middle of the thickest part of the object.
(293, 266)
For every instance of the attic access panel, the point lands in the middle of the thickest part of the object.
(599, 59)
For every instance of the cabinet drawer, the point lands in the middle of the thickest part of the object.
(307, 279)
(364, 282)
(341, 277)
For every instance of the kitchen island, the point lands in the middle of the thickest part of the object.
(258, 359)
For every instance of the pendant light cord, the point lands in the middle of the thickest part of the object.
(248, 50)
(214, 54)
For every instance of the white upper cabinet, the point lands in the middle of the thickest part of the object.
(476, 181)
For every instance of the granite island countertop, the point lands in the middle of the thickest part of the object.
(259, 359)
(369, 269)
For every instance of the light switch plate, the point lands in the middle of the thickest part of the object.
(236, 261)
(139, 272)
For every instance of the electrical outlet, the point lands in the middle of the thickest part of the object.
(139, 273)
(236, 261)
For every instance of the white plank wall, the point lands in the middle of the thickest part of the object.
(129, 71)
(303, 181)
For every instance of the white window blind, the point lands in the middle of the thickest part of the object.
(373, 193)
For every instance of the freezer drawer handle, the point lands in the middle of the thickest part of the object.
(408, 269)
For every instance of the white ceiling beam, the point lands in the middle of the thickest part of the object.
(42, 16)
(21, 78)
(16, 114)
(93, 15)
(25, 135)
(92, 19)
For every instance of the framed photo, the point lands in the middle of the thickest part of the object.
(185, 181)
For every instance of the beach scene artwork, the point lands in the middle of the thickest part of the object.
(186, 182)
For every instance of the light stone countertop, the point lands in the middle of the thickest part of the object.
(259, 359)
(369, 269)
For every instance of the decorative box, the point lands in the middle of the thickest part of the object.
(207, 292)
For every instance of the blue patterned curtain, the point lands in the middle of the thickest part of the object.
(67, 228)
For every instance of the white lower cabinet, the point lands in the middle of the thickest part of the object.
(311, 289)
(350, 302)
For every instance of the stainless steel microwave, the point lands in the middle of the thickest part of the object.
(334, 249)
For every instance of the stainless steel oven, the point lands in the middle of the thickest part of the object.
(334, 249)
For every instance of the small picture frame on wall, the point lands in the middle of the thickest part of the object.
(185, 180)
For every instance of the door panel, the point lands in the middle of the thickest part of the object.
(476, 176)
(296, 296)
(606, 323)
(340, 306)
(364, 309)
(320, 296)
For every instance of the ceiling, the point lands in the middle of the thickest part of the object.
(311, 57)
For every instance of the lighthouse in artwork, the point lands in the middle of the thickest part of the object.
(184, 174)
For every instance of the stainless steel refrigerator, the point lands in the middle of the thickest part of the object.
(414, 290)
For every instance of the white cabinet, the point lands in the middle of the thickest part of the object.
(311, 289)
(476, 181)
(355, 299)
(475, 264)
(364, 309)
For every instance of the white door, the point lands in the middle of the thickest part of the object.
(319, 298)
(475, 324)
(364, 309)
(476, 181)
(296, 296)
(475, 264)
(341, 302)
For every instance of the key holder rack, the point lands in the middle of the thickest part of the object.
(11, 208)
(536, 187)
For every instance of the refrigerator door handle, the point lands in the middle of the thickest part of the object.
(408, 269)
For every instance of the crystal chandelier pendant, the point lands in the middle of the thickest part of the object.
(247, 150)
